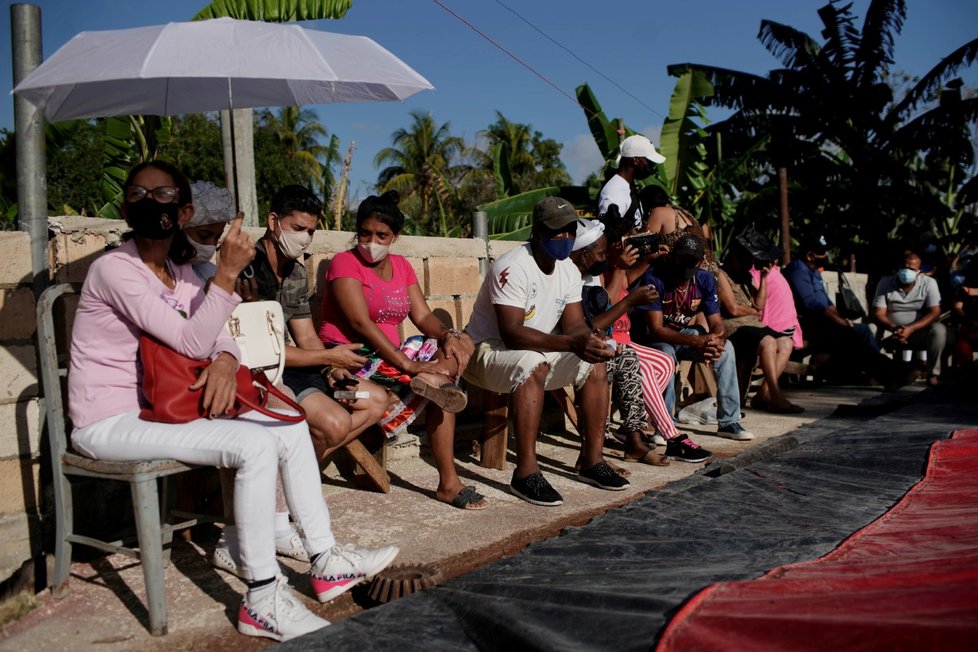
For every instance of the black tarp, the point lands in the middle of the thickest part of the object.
(613, 583)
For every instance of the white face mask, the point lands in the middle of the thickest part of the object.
(204, 252)
(373, 252)
(293, 244)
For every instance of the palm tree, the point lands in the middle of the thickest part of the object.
(422, 166)
(299, 134)
(831, 119)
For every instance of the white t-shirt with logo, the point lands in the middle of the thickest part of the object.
(516, 280)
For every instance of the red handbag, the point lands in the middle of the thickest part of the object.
(167, 375)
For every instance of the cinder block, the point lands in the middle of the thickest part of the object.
(20, 540)
(15, 258)
(18, 373)
(465, 307)
(20, 482)
(316, 267)
(16, 314)
(19, 428)
(79, 252)
(418, 265)
(446, 310)
(453, 276)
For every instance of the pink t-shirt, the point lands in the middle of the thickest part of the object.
(388, 302)
(120, 300)
(779, 311)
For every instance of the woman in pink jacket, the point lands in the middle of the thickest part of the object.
(148, 286)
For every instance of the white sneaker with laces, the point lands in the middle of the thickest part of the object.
(277, 614)
(291, 547)
(342, 567)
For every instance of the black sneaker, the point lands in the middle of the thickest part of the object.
(535, 489)
(683, 449)
(602, 475)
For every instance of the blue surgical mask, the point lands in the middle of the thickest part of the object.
(906, 276)
(558, 249)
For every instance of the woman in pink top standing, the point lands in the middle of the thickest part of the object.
(368, 293)
(148, 286)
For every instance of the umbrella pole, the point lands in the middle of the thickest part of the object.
(234, 153)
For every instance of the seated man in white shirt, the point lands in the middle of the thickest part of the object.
(909, 304)
(528, 293)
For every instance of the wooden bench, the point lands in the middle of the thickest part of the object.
(495, 429)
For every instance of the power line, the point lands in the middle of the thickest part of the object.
(515, 58)
(570, 52)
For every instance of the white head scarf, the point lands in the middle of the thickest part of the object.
(588, 232)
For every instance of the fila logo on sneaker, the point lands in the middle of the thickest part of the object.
(252, 617)
(342, 577)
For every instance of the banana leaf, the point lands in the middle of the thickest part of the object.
(275, 11)
(510, 218)
(682, 136)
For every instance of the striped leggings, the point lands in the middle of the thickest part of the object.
(657, 371)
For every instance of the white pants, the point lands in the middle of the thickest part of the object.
(259, 447)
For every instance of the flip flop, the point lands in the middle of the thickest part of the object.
(468, 499)
(447, 396)
(651, 458)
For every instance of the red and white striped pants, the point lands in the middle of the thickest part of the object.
(658, 369)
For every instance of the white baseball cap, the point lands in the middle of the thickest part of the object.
(639, 145)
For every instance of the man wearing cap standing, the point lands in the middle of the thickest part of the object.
(853, 346)
(528, 293)
(685, 291)
(635, 163)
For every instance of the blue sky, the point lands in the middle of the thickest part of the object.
(630, 41)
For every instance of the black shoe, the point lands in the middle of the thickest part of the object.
(602, 475)
(683, 449)
(535, 489)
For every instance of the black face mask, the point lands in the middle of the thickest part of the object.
(685, 273)
(643, 172)
(598, 268)
(152, 220)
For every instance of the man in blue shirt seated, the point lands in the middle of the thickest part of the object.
(853, 345)
(686, 291)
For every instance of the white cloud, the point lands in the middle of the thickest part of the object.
(582, 157)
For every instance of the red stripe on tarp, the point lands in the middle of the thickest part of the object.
(907, 581)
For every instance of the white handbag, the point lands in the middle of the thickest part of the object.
(258, 328)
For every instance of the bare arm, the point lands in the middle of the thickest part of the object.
(311, 352)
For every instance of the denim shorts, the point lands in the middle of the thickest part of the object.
(304, 381)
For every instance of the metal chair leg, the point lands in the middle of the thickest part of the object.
(64, 525)
(145, 499)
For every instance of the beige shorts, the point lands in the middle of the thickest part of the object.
(501, 370)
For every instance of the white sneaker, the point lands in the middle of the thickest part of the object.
(277, 614)
(658, 440)
(341, 568)
(291, 547)
(226, 555)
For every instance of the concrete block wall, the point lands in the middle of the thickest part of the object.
(448, 271)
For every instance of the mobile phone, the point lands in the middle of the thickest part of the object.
(346, 383)
(347, 394)
(646, 243)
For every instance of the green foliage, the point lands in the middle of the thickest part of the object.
(423, 165)
(275, 11)
(856, 156)
(510, 218)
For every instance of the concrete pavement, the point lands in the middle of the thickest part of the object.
(104, 608)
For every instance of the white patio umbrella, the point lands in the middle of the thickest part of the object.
(211, 65)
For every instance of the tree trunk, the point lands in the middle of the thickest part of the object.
(339, 200)
(244, 153)
(785, 216)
